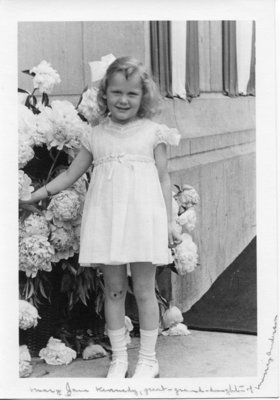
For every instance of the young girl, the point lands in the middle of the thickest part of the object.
(127, 212)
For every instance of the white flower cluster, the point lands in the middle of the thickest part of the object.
(88, 106)
(65, 128)
(36, 225)
(32, 130)
(172, 323)
(64, 207)
(64, 212)
(28, 315)
(25, 368)
(187, 197)
(45, 77)
(24, 186)
(185, 254)
(35, 253)
(57, 353)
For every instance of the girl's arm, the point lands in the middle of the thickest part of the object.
(78, 167)
(160, 154)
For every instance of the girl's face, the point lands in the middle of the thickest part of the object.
(124, 97)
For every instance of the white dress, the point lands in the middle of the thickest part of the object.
(124, 218)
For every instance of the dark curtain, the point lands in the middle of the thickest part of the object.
(161, 56)
(251, 88)
(230, 86)
(192, 60)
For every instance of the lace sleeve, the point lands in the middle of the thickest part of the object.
(86, 139)
(163, 134)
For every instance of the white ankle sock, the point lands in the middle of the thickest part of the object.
(148, 339)
(118, 343)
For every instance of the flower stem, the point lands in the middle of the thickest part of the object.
(52, 167)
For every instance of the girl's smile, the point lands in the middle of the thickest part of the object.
(124, 97)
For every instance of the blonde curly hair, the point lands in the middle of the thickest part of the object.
(151, 99)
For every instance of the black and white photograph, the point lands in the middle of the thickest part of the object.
(141, 240)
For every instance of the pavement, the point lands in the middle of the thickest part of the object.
(199, 354)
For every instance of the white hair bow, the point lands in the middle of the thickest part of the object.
(98, 68)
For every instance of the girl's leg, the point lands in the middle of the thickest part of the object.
(143, 277)
(115, 280)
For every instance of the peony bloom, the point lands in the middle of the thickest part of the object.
(26, 123)
(185, 255)
(45, 77)
(24, 186)
(66, 127)
(25, 369)
(171, 317)
(88, 106)
(64, 206)
(93, 351)
(187, 197)
(177, 330)
(56, 353)
(64, 242)
(187, 219)
(31, 127)
(35, 252)
(25, 152)
(28, 315)
(36, 225)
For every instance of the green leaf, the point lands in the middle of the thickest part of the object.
(42, 290)
(45, 99)
(22, 91)
(27, 71)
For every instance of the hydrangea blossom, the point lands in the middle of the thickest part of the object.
(64, 242)
(35, 253)
(45, 77)
(25, 368)
(31, 127)
(25, 152)
(28, 315)
(185, 255)
(24, 186)
(64, 206)
(187, 219)
(88, 106)
(26, 123)
(66, 127)
(56, 353)
(36, 225)
(187, 197)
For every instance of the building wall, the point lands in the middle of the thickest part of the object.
(217, 151)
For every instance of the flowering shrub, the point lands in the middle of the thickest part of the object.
(45, 77)
(49, 137)
(28, 315)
